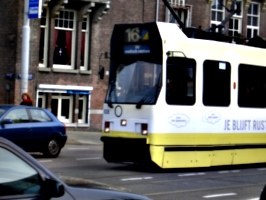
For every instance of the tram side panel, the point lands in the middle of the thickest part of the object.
(203, 135)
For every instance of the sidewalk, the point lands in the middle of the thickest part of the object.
(84, 137)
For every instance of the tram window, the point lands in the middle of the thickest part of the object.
(252, 86)
(216, 83)
(180, 76)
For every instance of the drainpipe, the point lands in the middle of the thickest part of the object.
(157, 10)
(25, 49)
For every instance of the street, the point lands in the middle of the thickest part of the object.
(83, 165)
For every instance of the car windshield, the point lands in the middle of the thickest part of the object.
(136, 83)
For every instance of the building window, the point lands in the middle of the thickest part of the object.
(64, 40)
(62, 103)
(84, 60)
(62, 107)
(83, 107)
(182, 10)
(177, 2)
(235, 23)
(253, 20)
(43, 38)
(217, 12)
(41, 100)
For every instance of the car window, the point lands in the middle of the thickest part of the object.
(18, 115)
(16, 176)
(39, 116)
(2, 111)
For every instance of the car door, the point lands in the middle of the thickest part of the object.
(18, 130)
(41, 126)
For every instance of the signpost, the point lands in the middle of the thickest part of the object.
(32, 10)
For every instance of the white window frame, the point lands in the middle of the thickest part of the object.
(179, 3)
(63, 89)
(238, 19)
(86, 45)
(73, 42)
(59, 107)
(43, 97)
(45, 48)
(251, 27)
(84, 103)
(216, 10)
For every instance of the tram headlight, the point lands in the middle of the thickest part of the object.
(107, 127)
(144, 129)
(123, 122)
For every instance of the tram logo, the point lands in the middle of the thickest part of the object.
(211, 117)
(178, 120)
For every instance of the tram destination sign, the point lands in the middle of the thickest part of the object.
(136, 49)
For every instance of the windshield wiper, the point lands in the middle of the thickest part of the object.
(147, 97)
(109, 102)
(151, 94)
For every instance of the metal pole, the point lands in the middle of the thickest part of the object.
(157, 10)
(25, 49)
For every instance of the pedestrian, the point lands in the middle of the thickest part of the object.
(26, 100)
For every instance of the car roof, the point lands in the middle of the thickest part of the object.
(9, 106)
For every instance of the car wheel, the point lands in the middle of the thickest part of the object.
(52, 148)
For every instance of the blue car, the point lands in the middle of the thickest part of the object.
(33, 129)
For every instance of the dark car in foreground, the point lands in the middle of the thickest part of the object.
(33, 129)
(23, 177)
(263, 194)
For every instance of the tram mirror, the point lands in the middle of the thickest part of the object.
(101, 72)
(175, 54)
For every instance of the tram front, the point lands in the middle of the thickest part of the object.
(134, 85)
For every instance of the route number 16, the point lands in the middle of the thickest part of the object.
(132, 34)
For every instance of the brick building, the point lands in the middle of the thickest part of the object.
(70, 43)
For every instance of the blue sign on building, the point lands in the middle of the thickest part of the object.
(30, 76)
(35, 7)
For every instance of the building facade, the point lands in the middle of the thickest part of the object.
(69, 44)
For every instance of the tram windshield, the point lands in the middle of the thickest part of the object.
(137, 83)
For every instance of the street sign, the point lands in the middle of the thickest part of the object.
(35, 9)
(30, 76)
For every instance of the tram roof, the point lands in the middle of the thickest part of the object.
(173, 31)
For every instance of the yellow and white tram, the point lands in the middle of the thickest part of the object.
(183, 102)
